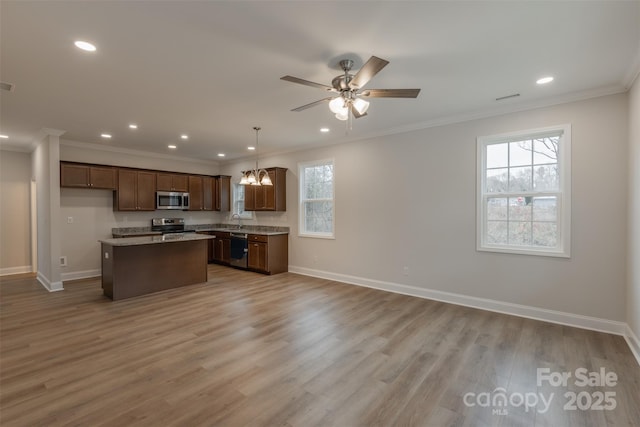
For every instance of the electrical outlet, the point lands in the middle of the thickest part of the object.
(69, 220)
(63, 261)
(405, 271)
(106, 255)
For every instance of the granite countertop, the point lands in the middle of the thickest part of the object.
(249, 229)
(149, 240)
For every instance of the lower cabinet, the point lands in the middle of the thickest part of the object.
(222, 248)
(268, 253)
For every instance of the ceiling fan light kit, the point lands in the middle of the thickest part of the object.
(349, 89)
(256, 176)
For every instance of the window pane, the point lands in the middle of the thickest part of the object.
(545, 150)
(497, 232)
(545, 234)
(318, 217)
(520, 179)
(519, 209)
(520, 153)
(545, 178)
(497, 155)
(497, 208)
(497, 180)
(545, 208)
(317, 190)
(519, 233)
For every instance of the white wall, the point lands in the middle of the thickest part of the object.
(46, 173)
(15, 211)
(409, 200)
(633, 289)
(92, 210)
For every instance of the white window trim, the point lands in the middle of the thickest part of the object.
(245, 214)
(301, 200)
(563, 249)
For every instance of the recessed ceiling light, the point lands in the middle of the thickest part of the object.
(133, 126)
(85, 46)
(220, 154)
(106, 135)
(544, 80)
(251, 148)
(173, 147)
(4, 136)
(324, 130)
(183, 136)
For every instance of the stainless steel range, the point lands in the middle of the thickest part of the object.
(168, 225)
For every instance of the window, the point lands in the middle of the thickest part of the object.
(238, 202)
(524, 185)
(316, 199)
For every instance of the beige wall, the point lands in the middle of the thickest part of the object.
(409, 200)
(633, 289)
(15, 212)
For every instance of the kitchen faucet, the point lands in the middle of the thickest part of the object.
(237, 216)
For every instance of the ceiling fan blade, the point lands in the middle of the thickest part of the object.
(391, 93)
(366, 73)
(313, 104)
(307, 83)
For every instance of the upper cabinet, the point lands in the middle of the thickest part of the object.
(196, 196)
(136, 190)
(172, 182)
(87, 176)
(268, 197)
(223, 193)
(209, 193)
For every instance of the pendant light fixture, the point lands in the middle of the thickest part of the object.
(256, 176)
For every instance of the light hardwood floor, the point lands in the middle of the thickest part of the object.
(288, 350)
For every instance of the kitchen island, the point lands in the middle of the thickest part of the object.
(136, 266)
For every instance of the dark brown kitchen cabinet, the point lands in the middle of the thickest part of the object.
(196, 198)
(268, 254)
(222, 248)
(268, 197)
(223, 193)
(211, 245)
(208, 193)
(136, 190)
(172, 182)
(87, 176)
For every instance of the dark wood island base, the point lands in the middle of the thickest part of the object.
(138, 269)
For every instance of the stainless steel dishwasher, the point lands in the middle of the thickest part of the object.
(239, 249)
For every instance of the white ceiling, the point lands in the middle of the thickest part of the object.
(212, 69)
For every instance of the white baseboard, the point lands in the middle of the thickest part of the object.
(633, 342)
(15, 270)
(50, 286)
(559, 317)
(77, 275)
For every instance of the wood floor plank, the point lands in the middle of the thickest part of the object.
(244, 349)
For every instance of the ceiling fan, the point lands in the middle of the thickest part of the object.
(349, 89)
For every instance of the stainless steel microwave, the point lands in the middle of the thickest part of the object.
(172, 200)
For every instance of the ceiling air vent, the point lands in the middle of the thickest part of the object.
(6, 86)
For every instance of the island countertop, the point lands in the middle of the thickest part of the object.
(150, 240)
